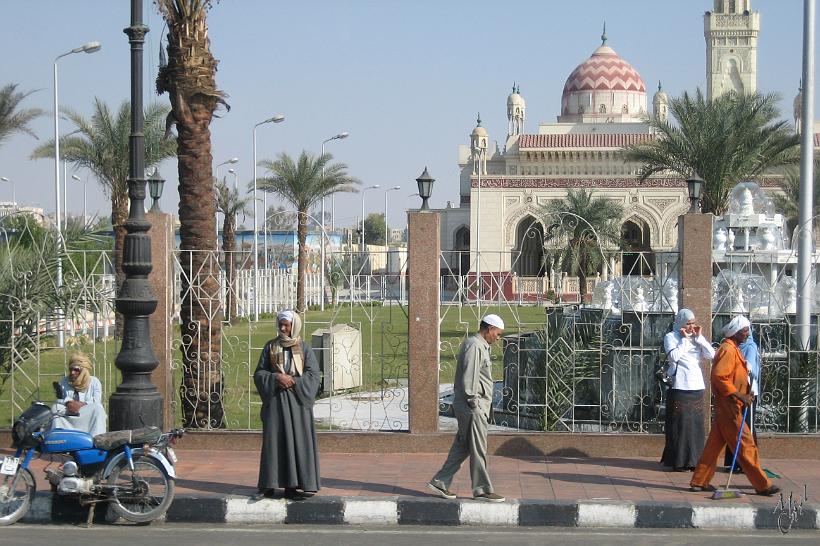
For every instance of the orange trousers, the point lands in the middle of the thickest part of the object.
(728, 420)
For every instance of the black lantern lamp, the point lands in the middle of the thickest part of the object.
(425, 182)
(155, 184)
(695, 186)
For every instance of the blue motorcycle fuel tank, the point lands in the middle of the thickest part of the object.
(61, 440)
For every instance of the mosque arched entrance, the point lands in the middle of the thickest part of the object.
(461, 245)
(529, 249)
(638, 258)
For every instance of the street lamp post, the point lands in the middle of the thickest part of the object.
(13, 190)
(340, 136)
(388, 190)
(231, 161)
(90, 47)
(85, 196)
(375, 186)
(136, 402)
(278, 118)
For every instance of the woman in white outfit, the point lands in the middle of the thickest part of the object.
(82, 407)
(685, 346)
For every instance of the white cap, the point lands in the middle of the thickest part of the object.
(493, 320)
(738, 323)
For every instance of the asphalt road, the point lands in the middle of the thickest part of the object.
(249, 535)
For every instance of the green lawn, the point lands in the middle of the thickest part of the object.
(384, 348)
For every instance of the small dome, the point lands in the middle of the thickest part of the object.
(479, 131)
(660, 95)
(515, 98)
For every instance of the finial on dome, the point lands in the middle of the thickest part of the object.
(478, 120)
(659, 86)
(518, 90)
(603, 36)
(800, 87)
(513, 87)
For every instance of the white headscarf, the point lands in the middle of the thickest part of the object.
(737, 324)
(683, 316)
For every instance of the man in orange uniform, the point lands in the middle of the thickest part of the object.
(730, 386)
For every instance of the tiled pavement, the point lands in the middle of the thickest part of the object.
(234, 473)
(216, 486)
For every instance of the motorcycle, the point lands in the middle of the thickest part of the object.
(132, 470)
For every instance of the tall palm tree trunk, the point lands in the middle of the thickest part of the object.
(301, 267)
(229, 252)
(189, 80)
(119, 214)
(200, 310)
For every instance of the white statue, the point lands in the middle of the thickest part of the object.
(640, 300)
(719, 239)
(746, 202)
(790, 303)
(738, 301)
(730, 239)
(608, 303)
(767, 239)
(669, 300)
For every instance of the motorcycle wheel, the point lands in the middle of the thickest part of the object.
(143, 495)
(15, 498)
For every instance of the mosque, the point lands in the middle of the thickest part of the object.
(604, 107)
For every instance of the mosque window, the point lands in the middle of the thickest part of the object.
(732, 6)
(719, 6)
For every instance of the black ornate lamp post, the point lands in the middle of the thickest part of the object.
(425, 182)
(155, 185)
(695, 186)
(136, 402)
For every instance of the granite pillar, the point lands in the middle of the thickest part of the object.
(695, 290)
(161, 281)
(423, 251)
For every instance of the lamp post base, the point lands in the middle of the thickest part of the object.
(129, 410)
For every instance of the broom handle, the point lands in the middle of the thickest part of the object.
(737, 444)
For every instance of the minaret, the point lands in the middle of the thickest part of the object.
(515, 112)
(660, 104)
(731, 31)
(478, 147)
(797, 108)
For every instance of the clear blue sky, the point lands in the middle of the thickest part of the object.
(404, 77)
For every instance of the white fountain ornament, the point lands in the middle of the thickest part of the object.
(746, 202)
(719, 239)
(767, 239)
(730, 239)
(640, 300)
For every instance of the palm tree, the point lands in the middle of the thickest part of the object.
(14, 118)
(101, 146)
(189, 78)
(582, 226)
(303, 184)
(724, 140)
(229, 203)
(788, 203)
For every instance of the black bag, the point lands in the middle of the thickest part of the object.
(32, 420)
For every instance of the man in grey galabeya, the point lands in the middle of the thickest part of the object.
(473, 390)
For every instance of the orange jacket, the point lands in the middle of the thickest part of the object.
(729, 370)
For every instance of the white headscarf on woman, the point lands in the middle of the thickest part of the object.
(737, 324)
(292, 342)
(683, 316)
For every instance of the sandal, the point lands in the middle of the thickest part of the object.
(769, 492)
(699, 488)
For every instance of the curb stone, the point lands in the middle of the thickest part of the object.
(48, 508)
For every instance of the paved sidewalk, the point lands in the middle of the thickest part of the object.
(215, 486)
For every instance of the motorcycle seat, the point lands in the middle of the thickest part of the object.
(112, 440)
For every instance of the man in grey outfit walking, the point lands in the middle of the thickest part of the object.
(473, 390)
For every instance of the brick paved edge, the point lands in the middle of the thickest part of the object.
(432, 511)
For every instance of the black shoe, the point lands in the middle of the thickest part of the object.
(264, 494)
(293, 494)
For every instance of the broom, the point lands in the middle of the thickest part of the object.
(732, 493)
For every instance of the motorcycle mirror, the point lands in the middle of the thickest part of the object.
(59, 390)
